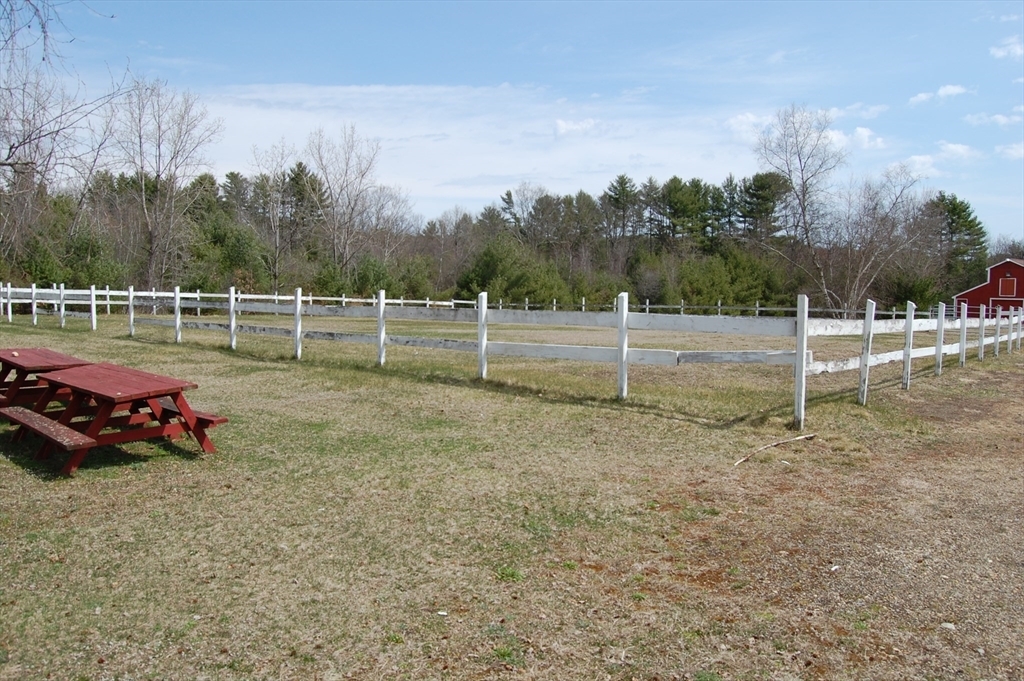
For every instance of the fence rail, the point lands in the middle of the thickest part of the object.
(799, 327)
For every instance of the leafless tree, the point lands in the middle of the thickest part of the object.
(345, 170)
(843, 240)
(389, 221)
(269, 202)
(160, 139)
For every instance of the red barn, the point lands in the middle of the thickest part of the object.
(1005, 287)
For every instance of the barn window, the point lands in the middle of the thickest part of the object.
(1007, 287)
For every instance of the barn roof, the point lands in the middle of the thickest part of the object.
(1016, 261)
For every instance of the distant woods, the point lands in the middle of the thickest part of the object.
(112, 191)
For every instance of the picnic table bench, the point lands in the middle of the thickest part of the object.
(110, 404)
(20, 369)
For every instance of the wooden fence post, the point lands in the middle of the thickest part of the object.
(865, 352)
(940, 329)
(35, 310)
(800, 363)
(198, 309)
(981, 332)
(154, 300)
(999, 327)
(131, 310)
(963, 334)
(108, 300)
(1020, 325)
(298, 323)
(63, 307)
(177, 314)
(10, 304)
(583, 304)
(381, 335)
(232, 325)
(481, 334)
(622, 310)
(908, 343)
(92, 306)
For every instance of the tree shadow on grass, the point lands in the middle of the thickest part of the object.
(23, 454)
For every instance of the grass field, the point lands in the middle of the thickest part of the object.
(414, 522)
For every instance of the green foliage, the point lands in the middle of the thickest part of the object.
(509, 272)
(901, 287)
(372, 275)
(964, 241)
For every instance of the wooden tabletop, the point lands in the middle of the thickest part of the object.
(38, 359)
(115, 383)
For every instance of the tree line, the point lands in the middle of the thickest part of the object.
(111, 191)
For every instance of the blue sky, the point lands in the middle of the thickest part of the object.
(470, 99)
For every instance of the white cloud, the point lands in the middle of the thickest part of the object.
(746, 127)
(1009, 17)
(951, 90)
(568, 127)
(998, 119)
(858, 110)
(1008, 47)
(468, 145)
(951, 151)
(866, 139)
(1019, 108)
(930, 165)
(943, 92)
(1014, 152)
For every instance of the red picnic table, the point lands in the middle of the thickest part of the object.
(20, 369)
(110, 404)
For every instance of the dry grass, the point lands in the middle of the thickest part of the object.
(413, 522)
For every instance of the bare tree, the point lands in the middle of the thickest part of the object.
(345, 169)
(160, 139)
(389, 221)
(269, 202)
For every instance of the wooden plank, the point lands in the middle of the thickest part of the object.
(265, 308)
(356, 311)
(63, 436)
(204, 326)
(461, 315)
(339, 336)
(547, 317)
(263, 330)
(736, 356)
(432, 343)
(647, 356)
(835, 327)
(570, 352)
(747, 326)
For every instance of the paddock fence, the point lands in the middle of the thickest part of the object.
(1007, 328)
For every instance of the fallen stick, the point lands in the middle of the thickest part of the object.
(809, 436)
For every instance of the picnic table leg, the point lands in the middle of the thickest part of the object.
(40, 407)
(192, 425)
(65, 419)
(78, 455)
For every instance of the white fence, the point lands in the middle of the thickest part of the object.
(298, 306)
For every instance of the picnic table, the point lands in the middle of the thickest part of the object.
(110, 404)
(20, 369)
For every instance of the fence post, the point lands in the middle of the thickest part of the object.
(232, 327)
(940, 329)
(63, 307)
(1020, 325)
(34, 308)
(865, 352)
(108, 300)
(999, 327)
(981, 332)
(343, 300)
(54, 303)
(198, 310)
(622, 310)
(10, 304)
(177, 314)
(583, 304)
(526, 305)
(154, 301)
(298, 323)
(757, 308)
(131, 310)
(481, 334)
(647, 306)
(908, 343)
(380, 328)
(554, 304)
(963, 334)
(800, 365)
(719, 307)
(682, 306)
(92, 306)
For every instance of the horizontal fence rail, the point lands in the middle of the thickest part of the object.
(1007, 327)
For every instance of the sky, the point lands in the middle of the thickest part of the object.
(470, 99)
